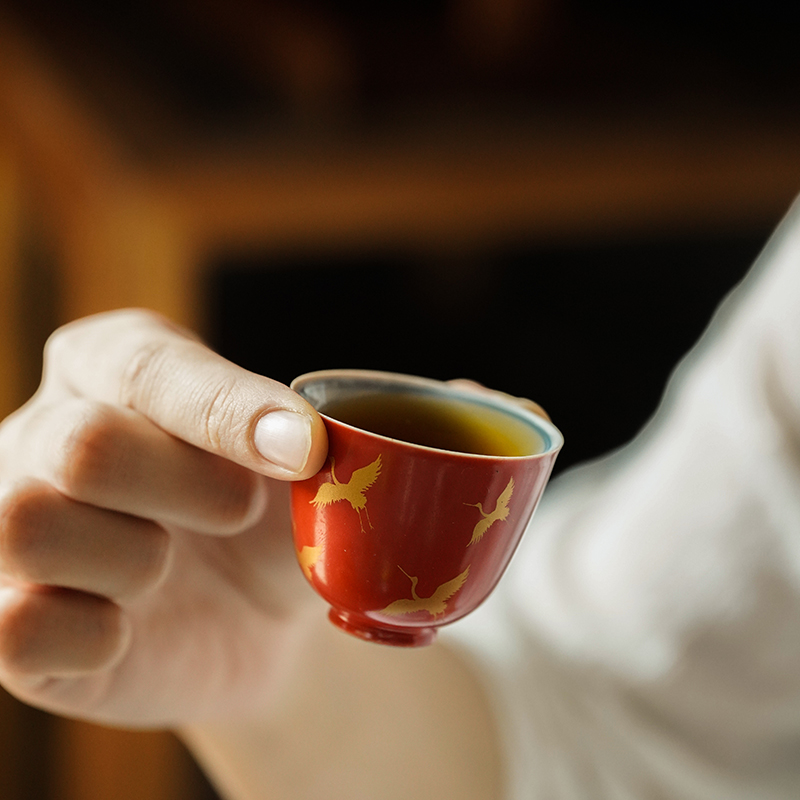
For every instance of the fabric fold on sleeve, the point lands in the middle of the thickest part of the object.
(645, 642)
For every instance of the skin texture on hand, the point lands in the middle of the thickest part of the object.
(137, 517)
(148, 578)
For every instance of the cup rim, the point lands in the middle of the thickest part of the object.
(552, 436)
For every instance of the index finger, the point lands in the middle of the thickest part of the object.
(139, 360)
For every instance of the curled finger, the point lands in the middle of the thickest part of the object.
(117, 459)
(49, 540)
(48, 633)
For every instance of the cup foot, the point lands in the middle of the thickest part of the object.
(367, 629)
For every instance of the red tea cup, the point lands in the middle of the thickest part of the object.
(426, 493)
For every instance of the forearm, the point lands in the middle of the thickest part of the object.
(359, 720)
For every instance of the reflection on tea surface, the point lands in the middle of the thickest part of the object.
(443, 423)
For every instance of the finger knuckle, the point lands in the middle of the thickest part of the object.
(27, 514)
(20, 638)
(43, 633)
(28, 643)
(58, 345)
(92, 453)
(217, 407)
(66, 346)
(142, 373)
(150, 355)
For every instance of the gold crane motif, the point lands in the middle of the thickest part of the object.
(435, 605)
(500, 513)
(307, 557)
(353, 491)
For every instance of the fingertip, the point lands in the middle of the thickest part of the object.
(319, 448)
(524, 402)
(534, 407)
(294, 443)
(283, 438)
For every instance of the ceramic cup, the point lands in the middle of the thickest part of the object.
(426, 492)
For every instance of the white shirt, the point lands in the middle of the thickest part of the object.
(645, 642)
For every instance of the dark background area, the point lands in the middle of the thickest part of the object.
(261, 64)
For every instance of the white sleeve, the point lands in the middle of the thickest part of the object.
(645, 642)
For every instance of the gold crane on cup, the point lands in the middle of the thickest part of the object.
(435, 605)
(307, 557)
(500, 513)
(353, 491)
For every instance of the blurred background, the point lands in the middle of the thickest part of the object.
(549, 196)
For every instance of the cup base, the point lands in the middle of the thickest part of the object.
(368, 630)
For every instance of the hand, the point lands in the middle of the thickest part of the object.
(147, 573)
